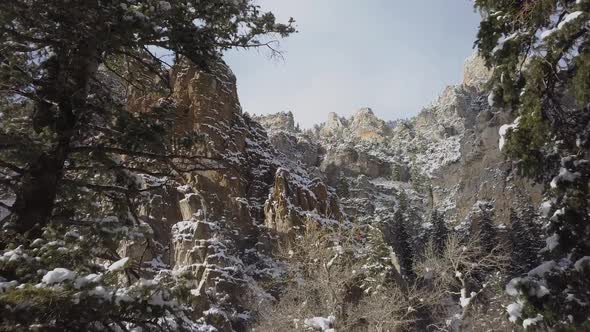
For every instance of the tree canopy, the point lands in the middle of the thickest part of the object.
(76, 164)
(539, 51)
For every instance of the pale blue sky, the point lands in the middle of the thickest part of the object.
(391, 55)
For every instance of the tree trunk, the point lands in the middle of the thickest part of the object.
(69, 87)
(35, 199)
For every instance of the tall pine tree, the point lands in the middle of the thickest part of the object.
(540, 55)
(440, 231)
(54, 57)
(525, 245)
(402, 244)
(76, 164)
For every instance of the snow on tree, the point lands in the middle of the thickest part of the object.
(77, 164)
(540, 54)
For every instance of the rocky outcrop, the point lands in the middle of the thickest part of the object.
(289, 140)
(475, 73)
(365, 126)
(283, 121)
(293, 202)
(219, 220)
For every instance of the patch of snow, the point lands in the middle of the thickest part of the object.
(6, 285)
(320, 323)
(581, 263)
(542, 291)
(503, 131)
(464, 300)
(13, 255)
(551, 243)
(532, 321)
(511, 287)
(546, 208)
(427, 225)
(100, 291)
(568, 18)
(185, 189)
(542, 269)
(545, 34)
(557, 214)
(564, 175)
(514, 311)
(502, 41)
(492, 99)
(58, 275)
(83, 281)
(119, 265)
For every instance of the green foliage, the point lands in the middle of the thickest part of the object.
(484, 219)
(440, 232)
(534, 68)
(402, 244)
(539, 53)
(527, 142)
(88, 136)
(94, 297)
(378, 266)
(581, 80)
(524, 237)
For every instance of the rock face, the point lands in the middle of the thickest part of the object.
(475, 73)
(287, 138)
(216, 226)
(293, 202)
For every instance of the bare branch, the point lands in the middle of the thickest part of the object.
(106, 188)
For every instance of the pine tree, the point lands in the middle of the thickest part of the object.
(440, 231)
(487, 231)
(402, 244)
(379, 264)
(540, 53)
(76, 164)
(524, 244)
(54, 58)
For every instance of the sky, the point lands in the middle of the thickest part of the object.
(394, 56)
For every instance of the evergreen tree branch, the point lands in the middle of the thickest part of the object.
(156, 156)
(11, 167)
(119, 167)
(107, 188)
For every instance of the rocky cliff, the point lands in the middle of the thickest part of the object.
(216, 227)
